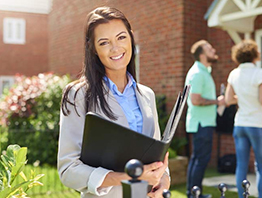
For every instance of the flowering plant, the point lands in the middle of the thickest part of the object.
(29, 112)
(21, 99)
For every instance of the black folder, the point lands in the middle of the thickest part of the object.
(110, 145)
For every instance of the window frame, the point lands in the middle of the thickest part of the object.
(16, 37)
(10, 79)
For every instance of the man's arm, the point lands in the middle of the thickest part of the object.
(198, 100)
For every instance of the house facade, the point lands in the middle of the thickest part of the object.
(164, 32)
(24, 39)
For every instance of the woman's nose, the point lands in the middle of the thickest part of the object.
(114, 47)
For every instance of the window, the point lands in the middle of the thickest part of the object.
(5, 83)
(258, 38)
(14, 31)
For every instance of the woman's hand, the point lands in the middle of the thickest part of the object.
(157, 191)
(162, 178)
(153, 172)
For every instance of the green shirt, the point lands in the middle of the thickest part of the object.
(201, 81)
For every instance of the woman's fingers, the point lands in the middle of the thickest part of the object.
(154, 171)
(162, 169)
(156, 192)
(153, 166)
(156, 165)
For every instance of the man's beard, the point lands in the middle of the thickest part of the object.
(212, 60)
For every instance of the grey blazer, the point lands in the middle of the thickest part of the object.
(72, 171)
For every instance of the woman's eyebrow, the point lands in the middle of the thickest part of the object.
(102, 39)
(120, 33)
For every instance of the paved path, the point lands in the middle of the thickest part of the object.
(230, 181)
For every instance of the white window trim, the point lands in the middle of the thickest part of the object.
(10, 79)
(258, 39)
(27, 6)
(14, 39)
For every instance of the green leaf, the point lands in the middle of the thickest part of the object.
(1, 185)
(35, 183)
(20, 158)
(39, 176)
(9, 158)
(7, 192)
(23, 176)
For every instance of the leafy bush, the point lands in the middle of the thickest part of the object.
(30, 110)
(177, 142)
(12, 164)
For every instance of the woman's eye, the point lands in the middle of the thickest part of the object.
(103, 43)
(121, 37)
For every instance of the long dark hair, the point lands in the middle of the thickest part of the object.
(93, 70)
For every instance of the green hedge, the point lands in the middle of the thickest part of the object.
(31, 113)
(178, 142)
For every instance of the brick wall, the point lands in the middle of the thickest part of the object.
(157, 27)
(30, 58)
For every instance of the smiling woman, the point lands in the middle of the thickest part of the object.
(107, 87)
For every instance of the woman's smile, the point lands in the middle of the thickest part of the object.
(117, 57)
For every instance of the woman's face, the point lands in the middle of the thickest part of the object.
(113, 45)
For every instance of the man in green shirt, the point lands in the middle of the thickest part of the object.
(201, 114)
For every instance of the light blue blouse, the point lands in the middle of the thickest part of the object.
(128, 101)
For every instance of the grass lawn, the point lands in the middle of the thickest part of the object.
(178, 191)
(64, 194)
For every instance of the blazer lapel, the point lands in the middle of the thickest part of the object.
(116, 108)
(144, 104)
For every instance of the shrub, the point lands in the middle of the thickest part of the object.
(12, 164)
(177, 142)
(30, 110)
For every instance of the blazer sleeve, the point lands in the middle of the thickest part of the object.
(72, 171)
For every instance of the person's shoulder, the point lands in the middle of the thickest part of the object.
(195, 73)
(258, 70)
(145, 89)
(258, 74)
(233, 71)
(76, 89)
(194, 70)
